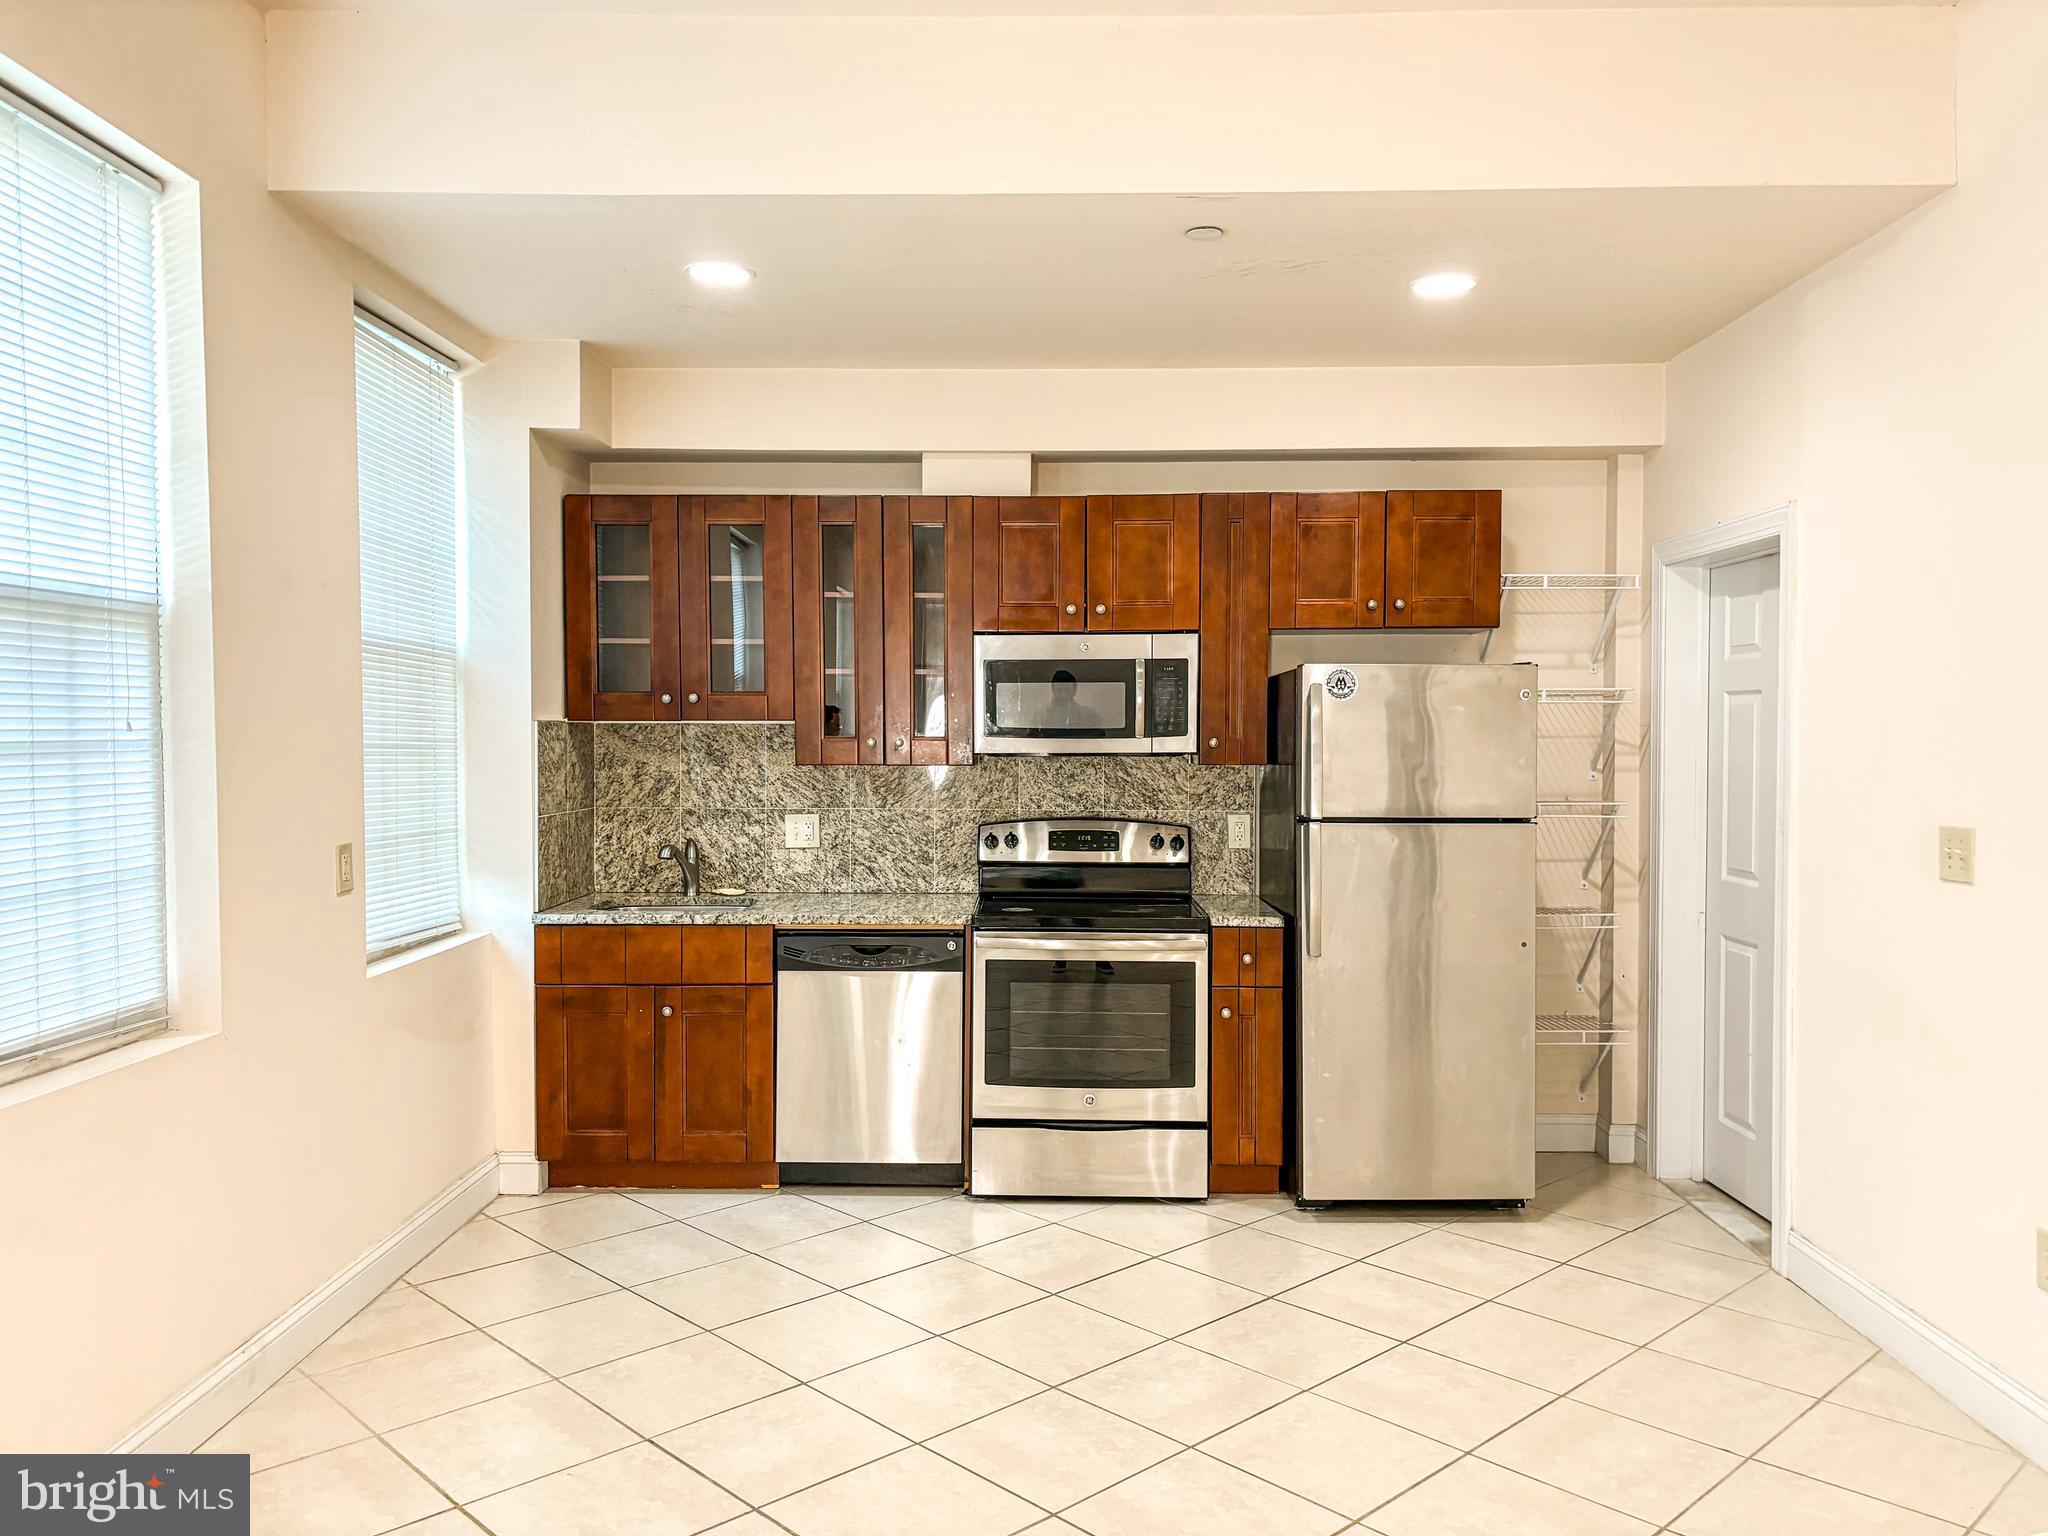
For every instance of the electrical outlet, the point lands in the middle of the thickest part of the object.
(1240, 829)
(1959, 855)
(344, 868)
(800, 829)
(2041, 1257)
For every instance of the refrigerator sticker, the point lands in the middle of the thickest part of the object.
(1342, 683)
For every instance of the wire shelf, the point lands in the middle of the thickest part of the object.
(1568, 581)
(1577, 1029)
(1583, 695)
(1579, 810)
(1573, 917)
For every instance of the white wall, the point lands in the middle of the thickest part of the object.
(153, 1217)
(1896, 395)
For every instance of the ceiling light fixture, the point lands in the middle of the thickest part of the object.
(1444, 285)
(1204, 232)
(719, 274)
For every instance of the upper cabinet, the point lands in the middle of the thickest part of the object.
(1236, 630)
(1329, 560)
(621, 608)
(1443, 559)
(676, 608)
(839, 628)
(1030, 560)
(1144, 562)
(928, 629)
(736, 607)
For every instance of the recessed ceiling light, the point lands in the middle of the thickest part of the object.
(1204, 232)
(1444, 285)
(719, 274)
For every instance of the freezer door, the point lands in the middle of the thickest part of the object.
(1428, 742)
(1415, 948)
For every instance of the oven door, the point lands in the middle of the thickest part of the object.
(1092, 1027)
(1047, 693)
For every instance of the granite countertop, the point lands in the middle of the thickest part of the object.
(1239, 912)
(780, 909)
(887, 909)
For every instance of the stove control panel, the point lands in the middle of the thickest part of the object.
(1083, 840)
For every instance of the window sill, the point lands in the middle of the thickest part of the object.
(132, 1054)
(426, 951)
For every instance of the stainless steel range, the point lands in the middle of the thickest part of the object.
(1091, 980)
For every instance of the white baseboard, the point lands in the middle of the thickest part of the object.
(2013, 1412)
(1616, 1143)
(521, 1173)
(189, 1417)
(1565, 1133)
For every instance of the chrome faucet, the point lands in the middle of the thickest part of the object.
(687, 862)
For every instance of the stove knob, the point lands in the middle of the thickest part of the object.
(1158, 842)
(989, 841)
(1178, 843)
(1009, 839)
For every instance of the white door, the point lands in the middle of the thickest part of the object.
(1742, 877)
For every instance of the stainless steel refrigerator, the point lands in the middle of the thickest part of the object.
(1398, 832)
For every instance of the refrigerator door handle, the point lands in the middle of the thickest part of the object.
(1311, 893)
(1311, 750)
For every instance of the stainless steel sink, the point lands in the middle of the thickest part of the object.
(671, 904)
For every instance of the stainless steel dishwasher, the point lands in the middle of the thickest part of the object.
(868, 1039)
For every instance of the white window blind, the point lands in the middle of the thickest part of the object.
(82, 949)
(407, 476)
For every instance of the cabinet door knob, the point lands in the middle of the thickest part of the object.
(1400, 603)
(1102, 607)
(666, 697)
(1244, 959)
(693, 698)
(901, 743)
(667, 1012)
(1372, 605)
(1226, 1013)
(871, 741)
(1070, 607)
(1213, 741)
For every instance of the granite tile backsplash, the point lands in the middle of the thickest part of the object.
(879, 829)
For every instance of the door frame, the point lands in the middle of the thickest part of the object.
(1679, 570)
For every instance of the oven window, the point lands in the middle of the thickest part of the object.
(1088, 700)
(1091, 1024)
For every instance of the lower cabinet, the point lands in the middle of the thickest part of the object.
(1247, 1066)
(654, 1055)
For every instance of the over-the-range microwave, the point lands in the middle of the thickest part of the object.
(1084, 693)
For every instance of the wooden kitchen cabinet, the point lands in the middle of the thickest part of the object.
(1329, 560)
(1030, 563)
(621, 608)
(1236, 630)
(838, 661)
(654, 1054)
(1443, 559)
(735, 607)
(1144, 562)
(928, 629)
(1247, 1066)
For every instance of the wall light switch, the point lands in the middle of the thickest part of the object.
(1959, 855)
(1240, 829)
(800, 829)
(344, 868)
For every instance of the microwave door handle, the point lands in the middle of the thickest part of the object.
(1140, 727)
(1311, 753)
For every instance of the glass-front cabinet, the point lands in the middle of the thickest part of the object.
(838, 627)
(736, 608)
(928, 574)
(621, 606)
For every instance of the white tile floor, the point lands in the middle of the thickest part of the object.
(844, 1363)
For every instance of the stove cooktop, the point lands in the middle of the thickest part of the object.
(1084, 914)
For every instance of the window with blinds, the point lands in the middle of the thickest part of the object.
(406, 457)
(82, 924)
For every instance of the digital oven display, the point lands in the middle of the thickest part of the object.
(1081, 840)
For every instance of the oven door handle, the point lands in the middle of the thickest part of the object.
(1028, 946)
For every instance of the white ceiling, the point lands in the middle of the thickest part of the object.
(1109, 281)
(1022, 7)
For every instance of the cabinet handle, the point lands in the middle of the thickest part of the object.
(1212, 741)
(901, 743)
(1226, 1013)
(871, 741)
(1400, 603)
(1244, 959)
(693, 698)
(667, 1012)
(666, 697)
(1102, 607)
(1372, 605)
(1070, 607)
